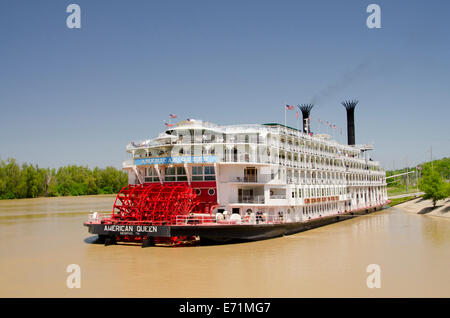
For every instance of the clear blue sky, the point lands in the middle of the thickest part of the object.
(79, 96)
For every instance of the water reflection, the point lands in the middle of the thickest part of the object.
(375, 222)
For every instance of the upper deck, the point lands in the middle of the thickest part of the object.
(195, 141)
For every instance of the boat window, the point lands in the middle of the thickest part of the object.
(151, 175)
(197, 173)
(211, 191)
(209, 173)
(175, 174)
(181, 174)
(169, 174)
(170, 171)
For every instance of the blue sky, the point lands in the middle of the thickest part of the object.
(79, 96)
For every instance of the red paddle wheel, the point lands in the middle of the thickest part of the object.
(154, 204)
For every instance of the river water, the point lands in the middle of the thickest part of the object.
(39, 238)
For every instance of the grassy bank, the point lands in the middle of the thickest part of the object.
(401, 189)
(401, 200)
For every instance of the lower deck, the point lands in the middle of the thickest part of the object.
(218, 231)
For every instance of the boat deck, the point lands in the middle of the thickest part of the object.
(221, 231)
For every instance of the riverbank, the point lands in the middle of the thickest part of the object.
(398, 199)
(421, 206)
(57, 205)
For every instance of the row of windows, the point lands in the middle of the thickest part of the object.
(324, 208)
(295, 173)
(320, 209)
(298, 158)
(175, 174)
(199, 173)
(316, 192)
(202, 136)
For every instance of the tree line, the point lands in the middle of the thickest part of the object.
(30, 181)
(441, 166)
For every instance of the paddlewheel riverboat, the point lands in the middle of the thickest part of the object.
(201, 181)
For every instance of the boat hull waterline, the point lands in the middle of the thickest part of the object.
(220, 233)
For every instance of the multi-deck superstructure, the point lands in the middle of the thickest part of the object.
(242, 181)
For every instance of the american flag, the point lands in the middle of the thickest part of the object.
(289, 107)
(172, 116)
(334, 126)
(168, 125)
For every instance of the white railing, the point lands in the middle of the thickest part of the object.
(277, 197)
(194, 219)
(245, 179)
(127, 163)
(251, 199)
(247, 219)
(97, 217)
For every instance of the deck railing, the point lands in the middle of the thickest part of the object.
(97, 217)
(251, 199)
(212, 220)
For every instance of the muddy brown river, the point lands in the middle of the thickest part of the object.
(39, 238)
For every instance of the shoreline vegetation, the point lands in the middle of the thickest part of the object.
(30, 181)
(431, 178)
(398, 201)
(411, 183)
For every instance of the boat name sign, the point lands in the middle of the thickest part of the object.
(148, 230)
(179, 159)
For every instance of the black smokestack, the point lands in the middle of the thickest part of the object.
(306, 109)
(350, 106)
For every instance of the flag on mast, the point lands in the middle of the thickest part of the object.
(290, 107)
(173, 116)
